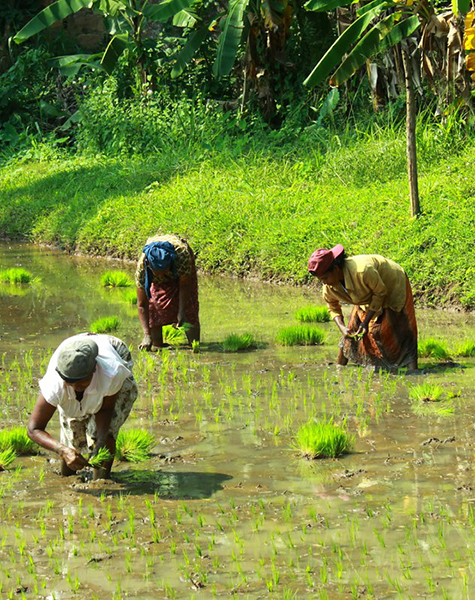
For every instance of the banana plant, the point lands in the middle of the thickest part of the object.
(124, 19)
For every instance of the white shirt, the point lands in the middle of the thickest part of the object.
(109, 376)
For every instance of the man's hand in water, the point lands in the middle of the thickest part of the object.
(73, 459)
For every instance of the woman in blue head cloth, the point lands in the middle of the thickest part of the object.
(167, 289)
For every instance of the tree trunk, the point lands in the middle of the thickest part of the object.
(411, 135)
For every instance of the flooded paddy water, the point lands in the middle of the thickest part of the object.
(226, 506)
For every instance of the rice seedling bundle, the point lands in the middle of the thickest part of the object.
(116, 279)
(130, 296)
(301, 335)
(15, 276)
(465, 349)
(6, 458)
(236, 342)
(425, 392)
(134, 445)
(105, 325)
(432, 348)
(323, 439)
(17, 439)
(313, 314)
(175, 335)
(102, 456)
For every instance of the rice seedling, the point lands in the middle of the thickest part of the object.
(195, 346)
(134, 445)
(15, 276)
(425, 392)
(17, 439)
(301, 335)
(102, 456)
(323, 439)
(116, 279)
(439, 409)
(432, 348)
(466, 348)
(130, 296)
(175, 335)
(105, 324)
(313, 314)
(6, 458)
(236, 342)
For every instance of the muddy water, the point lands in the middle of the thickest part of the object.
(225, 506)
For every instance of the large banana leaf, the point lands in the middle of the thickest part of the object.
(230, 37)
(381, 37)
(367, 7)
(334, 55)
(185, 18)
(113, 51)
(193, 42)
(322, 5)
(461, 6)
(166, 9)
(51, 14)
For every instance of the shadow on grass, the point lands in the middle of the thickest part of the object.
(177, 485)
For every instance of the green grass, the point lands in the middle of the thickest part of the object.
(432, 348)
(6, 458)
(134, 445)
(116, 279)
(15, 276)
(16, 439)
(313, 314)
(323, 439)
(301, 335)
(425, 392)
(283, 198)
(465, 349)
(236, 342)
(103, 455)
(105, 325)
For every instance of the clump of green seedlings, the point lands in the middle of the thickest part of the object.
(116, 279)
(301, 335)
(102, 456)
(195, 346)
(15, 276)
(425, 392)
(173, 334)
(134, 445)
(236, 342)
(17, 439)
(465, 349)
(105, 324)
(432, 348)
(323, 439)
(6, 458)
(313, 314)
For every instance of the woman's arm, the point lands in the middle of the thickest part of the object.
(39, 419)
(142, 307)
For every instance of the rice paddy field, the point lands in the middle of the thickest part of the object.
(227, 504)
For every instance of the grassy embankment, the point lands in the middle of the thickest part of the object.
(262, 213)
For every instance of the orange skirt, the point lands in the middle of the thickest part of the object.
(391, 341)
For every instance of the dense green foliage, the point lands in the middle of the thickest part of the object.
(134, 445)
(323, 439)
(313, 314)
(105, 324)
(236, 342)
(17, 440)
(15, 275)
(116, 279)
(301, 335)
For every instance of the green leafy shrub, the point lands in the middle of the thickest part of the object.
(323, 439)
(116, 279)
(236, 342)
(6, 458)
(301, 335)
(17, 439)
(15, 276)
(105, 325)
(432, 348)
(134, 445)
(313, 314)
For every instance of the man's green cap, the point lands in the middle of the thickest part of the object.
(77, 359)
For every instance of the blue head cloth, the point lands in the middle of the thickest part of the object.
(158, 256)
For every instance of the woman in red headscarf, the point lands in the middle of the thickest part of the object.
(382, 330)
